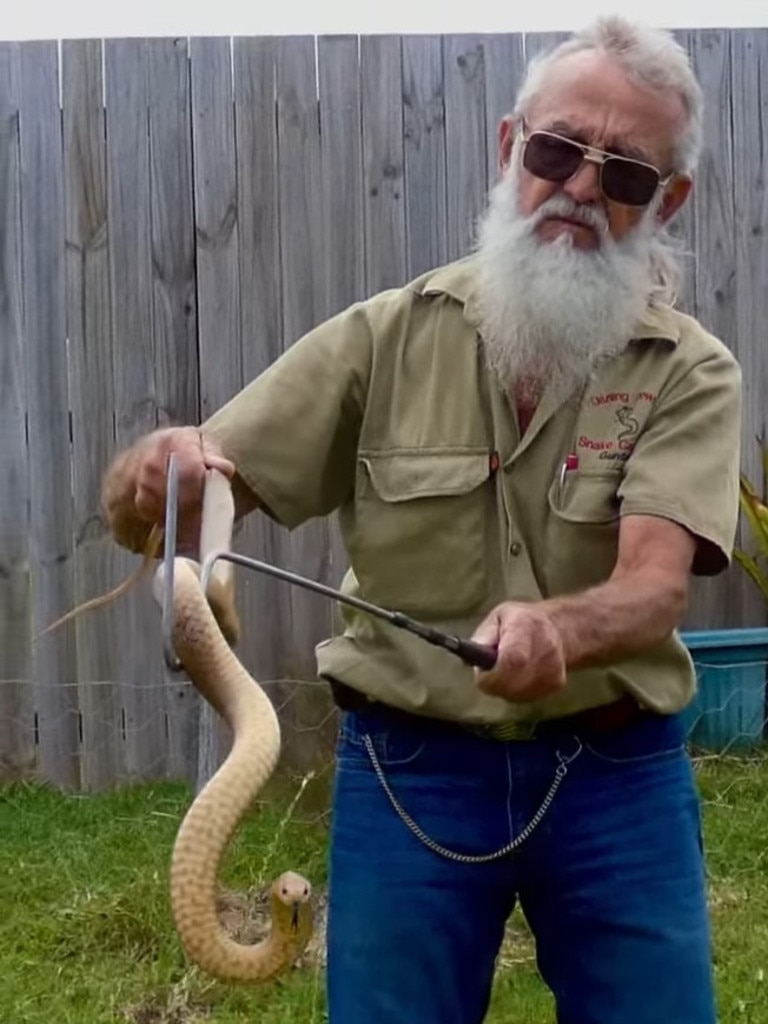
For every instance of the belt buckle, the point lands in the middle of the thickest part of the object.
(511, 732)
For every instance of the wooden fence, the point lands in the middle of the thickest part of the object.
(173, 214)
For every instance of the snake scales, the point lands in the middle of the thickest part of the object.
(205, 625)
(219, 807)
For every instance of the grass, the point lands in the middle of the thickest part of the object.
(86, 934)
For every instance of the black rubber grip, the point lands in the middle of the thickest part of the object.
(469, 652)
(476, 654)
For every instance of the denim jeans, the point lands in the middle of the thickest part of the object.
(611, 880)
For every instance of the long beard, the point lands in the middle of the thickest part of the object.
(552, 313)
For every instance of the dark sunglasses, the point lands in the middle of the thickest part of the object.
(622, 180)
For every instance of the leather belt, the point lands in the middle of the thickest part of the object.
(619, 714)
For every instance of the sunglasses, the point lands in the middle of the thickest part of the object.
(622, 180)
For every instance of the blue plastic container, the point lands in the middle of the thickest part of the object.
(729, 711)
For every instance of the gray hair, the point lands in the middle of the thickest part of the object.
(653, 58)
(647, 55)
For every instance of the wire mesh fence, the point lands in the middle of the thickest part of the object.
(97, 727)
(728, 718)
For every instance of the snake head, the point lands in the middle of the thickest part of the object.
(291, 906)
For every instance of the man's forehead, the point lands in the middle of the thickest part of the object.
(593, 97)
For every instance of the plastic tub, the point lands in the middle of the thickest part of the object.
(729, 710)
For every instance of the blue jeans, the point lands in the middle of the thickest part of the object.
(611, 881)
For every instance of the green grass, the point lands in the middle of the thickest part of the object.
(86, 934)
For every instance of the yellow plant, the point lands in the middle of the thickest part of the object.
(755, 509)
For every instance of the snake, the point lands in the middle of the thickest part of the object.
(204, 625)
(205, 629)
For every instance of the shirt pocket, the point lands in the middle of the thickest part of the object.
(582, 530)
(419, 539)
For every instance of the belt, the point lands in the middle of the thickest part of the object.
(619, 714)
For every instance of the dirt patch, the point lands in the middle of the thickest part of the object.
(245, 916)
(727, 895)
(152, 1013)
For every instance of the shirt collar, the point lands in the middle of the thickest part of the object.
(458, 280)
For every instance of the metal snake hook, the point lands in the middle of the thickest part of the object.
(470, 652)
(169, 554)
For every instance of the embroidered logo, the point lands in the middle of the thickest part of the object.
(627, 421)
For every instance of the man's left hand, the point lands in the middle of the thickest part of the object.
(530, 661)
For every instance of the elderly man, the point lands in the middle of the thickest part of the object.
(531, 447)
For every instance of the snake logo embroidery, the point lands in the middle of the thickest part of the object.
(628, 422)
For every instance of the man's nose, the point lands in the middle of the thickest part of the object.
(584, 185)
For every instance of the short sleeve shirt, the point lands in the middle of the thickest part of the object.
(388, 414)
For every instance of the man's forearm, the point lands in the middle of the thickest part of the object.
(618, 618)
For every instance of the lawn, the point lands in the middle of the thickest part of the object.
(86, 935)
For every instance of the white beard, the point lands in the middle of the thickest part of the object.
(551, 313)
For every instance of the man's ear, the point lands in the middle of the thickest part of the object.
(675, 194)
(507, 129)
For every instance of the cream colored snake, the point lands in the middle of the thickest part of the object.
(216, 812)
(205, 624)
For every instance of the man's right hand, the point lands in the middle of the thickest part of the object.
(135, 485)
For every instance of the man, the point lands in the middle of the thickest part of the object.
(533, 448)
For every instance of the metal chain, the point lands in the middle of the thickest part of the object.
(560, 772)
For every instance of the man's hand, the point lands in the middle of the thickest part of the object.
(634, 610)
(135, 486)
(530, 661)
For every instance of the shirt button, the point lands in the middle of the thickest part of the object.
(516, 548)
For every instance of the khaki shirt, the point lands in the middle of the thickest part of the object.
(388, 413)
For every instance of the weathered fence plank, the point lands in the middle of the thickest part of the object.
(424, 150)
(258, 203)
(307, 550)
(17, 735)
(221, 371)
(381, 71)
(301, 223)
(729, 599)
(174, 309)
(92, 402)
(749, 112)
(131, 275)
(173, 232)
(537, 44)
(302, 256)
(713, 196)
(264, 608)
(466, 143)
(504, 67)
(206, 217)
(683, 226)
(341, 169)
(45, 345)
(343, 236)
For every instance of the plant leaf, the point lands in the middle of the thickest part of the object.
(764, 457)
(755, 512)
(748, 563)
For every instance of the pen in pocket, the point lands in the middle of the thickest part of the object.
(570, 463)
